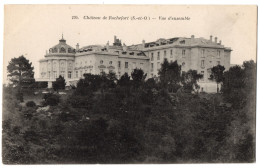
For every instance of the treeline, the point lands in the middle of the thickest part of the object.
(136, 120)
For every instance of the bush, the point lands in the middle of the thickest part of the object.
(77, 101)
(51, 99)
(30, 104)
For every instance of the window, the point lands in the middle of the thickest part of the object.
(62, 73)
(110, 62)
(119, 74)
(151, 66)
(158, 65)
(171, 54)
(158, 55)
(134, 65)
(101, 61)
(151, 75)
(203, 52)
(90, 70)
(165, 53)
(202, 73)
(55, 74)
(54, 65)
(126, 64)
(218, 62)
(76, 74)
(62, 50)
(69, 50)
(119, 64)
(55, 50)
(69, 74)
(49, 74)
(183, 64)
(151, 56)
(202, 64)
(218, 53)
(183, 53)
(81, 74)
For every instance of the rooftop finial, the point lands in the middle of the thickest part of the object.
(62, 36)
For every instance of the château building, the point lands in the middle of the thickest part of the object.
(191, 53)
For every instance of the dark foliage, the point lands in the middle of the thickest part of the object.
(110, 121)
(59, 84)
(51, 99)
(30, 104)
(217, 74)
(21, 75)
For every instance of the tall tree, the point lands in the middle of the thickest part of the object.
(20, 71)
(170, 74)
(190, 79)
(59, 83)
(217, 73)
(138, 77)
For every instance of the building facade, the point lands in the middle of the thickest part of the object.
(191, 53)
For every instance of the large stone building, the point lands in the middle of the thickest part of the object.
(191, 53)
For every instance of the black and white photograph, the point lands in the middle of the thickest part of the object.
(129, 84)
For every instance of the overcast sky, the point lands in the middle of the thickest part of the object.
(30, 30)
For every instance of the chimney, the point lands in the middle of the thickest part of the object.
(124, 47)
(77, 46)
(216, 39)
(107, 45)
(211, 38)
(219, 42)
(143, 42)
(114, 39)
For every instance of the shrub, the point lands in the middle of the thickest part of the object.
(51, 99)
(30, 104)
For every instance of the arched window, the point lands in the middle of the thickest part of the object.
(101, 61)
(69, 50)
(110, 62)
(62, 50)
(54, 65)
(55, 50)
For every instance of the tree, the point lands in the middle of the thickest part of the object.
(217, 73)
(138, 77)
(21, 73)
(239, 84)
(190, 79)
(59, 83)
(124, 80)
(170, 75)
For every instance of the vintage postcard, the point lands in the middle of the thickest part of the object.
(120, 84)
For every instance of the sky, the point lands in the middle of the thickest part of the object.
(30, 30)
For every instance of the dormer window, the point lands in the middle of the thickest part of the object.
(50, 50)
(182, 42)
(69, 50)
(55, 50)
(110, 62)
(62, 50)
(101, 61)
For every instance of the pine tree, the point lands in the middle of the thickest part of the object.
(20, 71)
